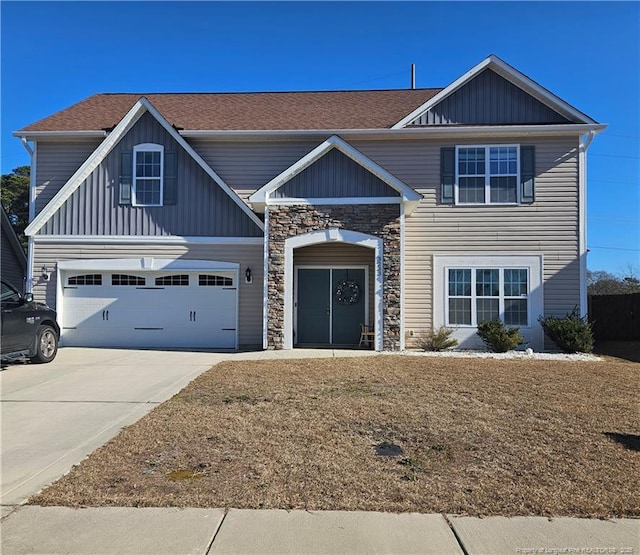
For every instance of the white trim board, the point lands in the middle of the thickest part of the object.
(150, 240)
(512, 75)
(262, 196)
(146, 264)
(98, 155)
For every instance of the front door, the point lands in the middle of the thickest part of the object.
(330, 306)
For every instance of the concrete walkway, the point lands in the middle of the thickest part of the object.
(58, 530)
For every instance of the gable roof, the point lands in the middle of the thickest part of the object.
(512, 75)
(409, 196)
(98, 155)
(9, 233)
(245, 111)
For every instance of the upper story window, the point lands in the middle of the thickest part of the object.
(148, 170)
(148, 176)
(487, 174)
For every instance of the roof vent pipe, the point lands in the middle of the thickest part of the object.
(413, 76)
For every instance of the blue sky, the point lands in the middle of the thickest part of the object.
(588, 53)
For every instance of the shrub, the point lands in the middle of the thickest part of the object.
(572, 334)
(436, 340)
(497, 337)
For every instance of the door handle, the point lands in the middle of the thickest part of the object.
(194, 315)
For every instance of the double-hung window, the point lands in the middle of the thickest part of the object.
(475, 295)
(148, 169)
(487, 174)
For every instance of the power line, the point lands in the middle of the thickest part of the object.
(614, 249)
(615, 156)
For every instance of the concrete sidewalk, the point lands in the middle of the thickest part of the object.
(57, 530)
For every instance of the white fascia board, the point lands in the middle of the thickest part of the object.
(512, 75)
(34, 135)
(147, 240)
(333, 200)
(432, 131)
(87, 168)
(146, 264)
(261, 196)
(180, 140)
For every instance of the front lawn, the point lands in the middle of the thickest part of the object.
(385, 433)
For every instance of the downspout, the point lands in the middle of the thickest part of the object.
(585, 141)
(32, 209)
(265, 282)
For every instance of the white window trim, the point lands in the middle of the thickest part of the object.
(487, 176)
(466, 335)
(146, 147)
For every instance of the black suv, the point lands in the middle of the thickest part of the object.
(28, 328)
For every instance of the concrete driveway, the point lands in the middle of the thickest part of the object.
(54, 415)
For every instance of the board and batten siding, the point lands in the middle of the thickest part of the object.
(202, 207)
(12, 267)
(249, 294)
(342, 255)
(335, 175)
(549, 226)
(248, 165)
(489, 99)
(56, 162)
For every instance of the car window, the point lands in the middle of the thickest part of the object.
(8, 294)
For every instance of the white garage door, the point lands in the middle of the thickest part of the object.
(150, 309)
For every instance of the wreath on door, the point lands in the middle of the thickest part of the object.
(348, 292)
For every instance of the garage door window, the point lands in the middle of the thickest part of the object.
(124, 279)
(181, 279)
(85, 279)
(214, 281)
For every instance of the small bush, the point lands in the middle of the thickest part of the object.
(572, 334)
(436, 340)
(497, 337)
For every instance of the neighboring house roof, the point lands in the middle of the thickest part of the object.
(98, 155)
(408, 195)
(246, 111)
(9, 235)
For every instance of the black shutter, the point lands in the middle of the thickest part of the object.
(447, 174)
(126, 177)
(527, 174)
(170, 188)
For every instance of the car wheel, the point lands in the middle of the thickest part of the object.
(46, 345)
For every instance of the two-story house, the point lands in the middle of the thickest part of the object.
(288, 219)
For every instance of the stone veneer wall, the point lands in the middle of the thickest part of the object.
(381, 220)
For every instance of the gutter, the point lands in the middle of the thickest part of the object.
(411, 132)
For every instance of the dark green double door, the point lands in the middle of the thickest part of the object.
(326, 309)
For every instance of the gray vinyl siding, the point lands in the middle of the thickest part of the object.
(340, 254)
(249, 294)
(549, 226)
(489, 99)
(335, 175)
(56, 162)
(248, 165)
(202, 209)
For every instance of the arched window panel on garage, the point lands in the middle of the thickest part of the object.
(85, 279)
(177, 280)
(210, 280)
(126, 279)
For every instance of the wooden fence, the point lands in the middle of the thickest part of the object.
(615, 317)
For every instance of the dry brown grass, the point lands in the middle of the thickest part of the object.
(479, 436)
